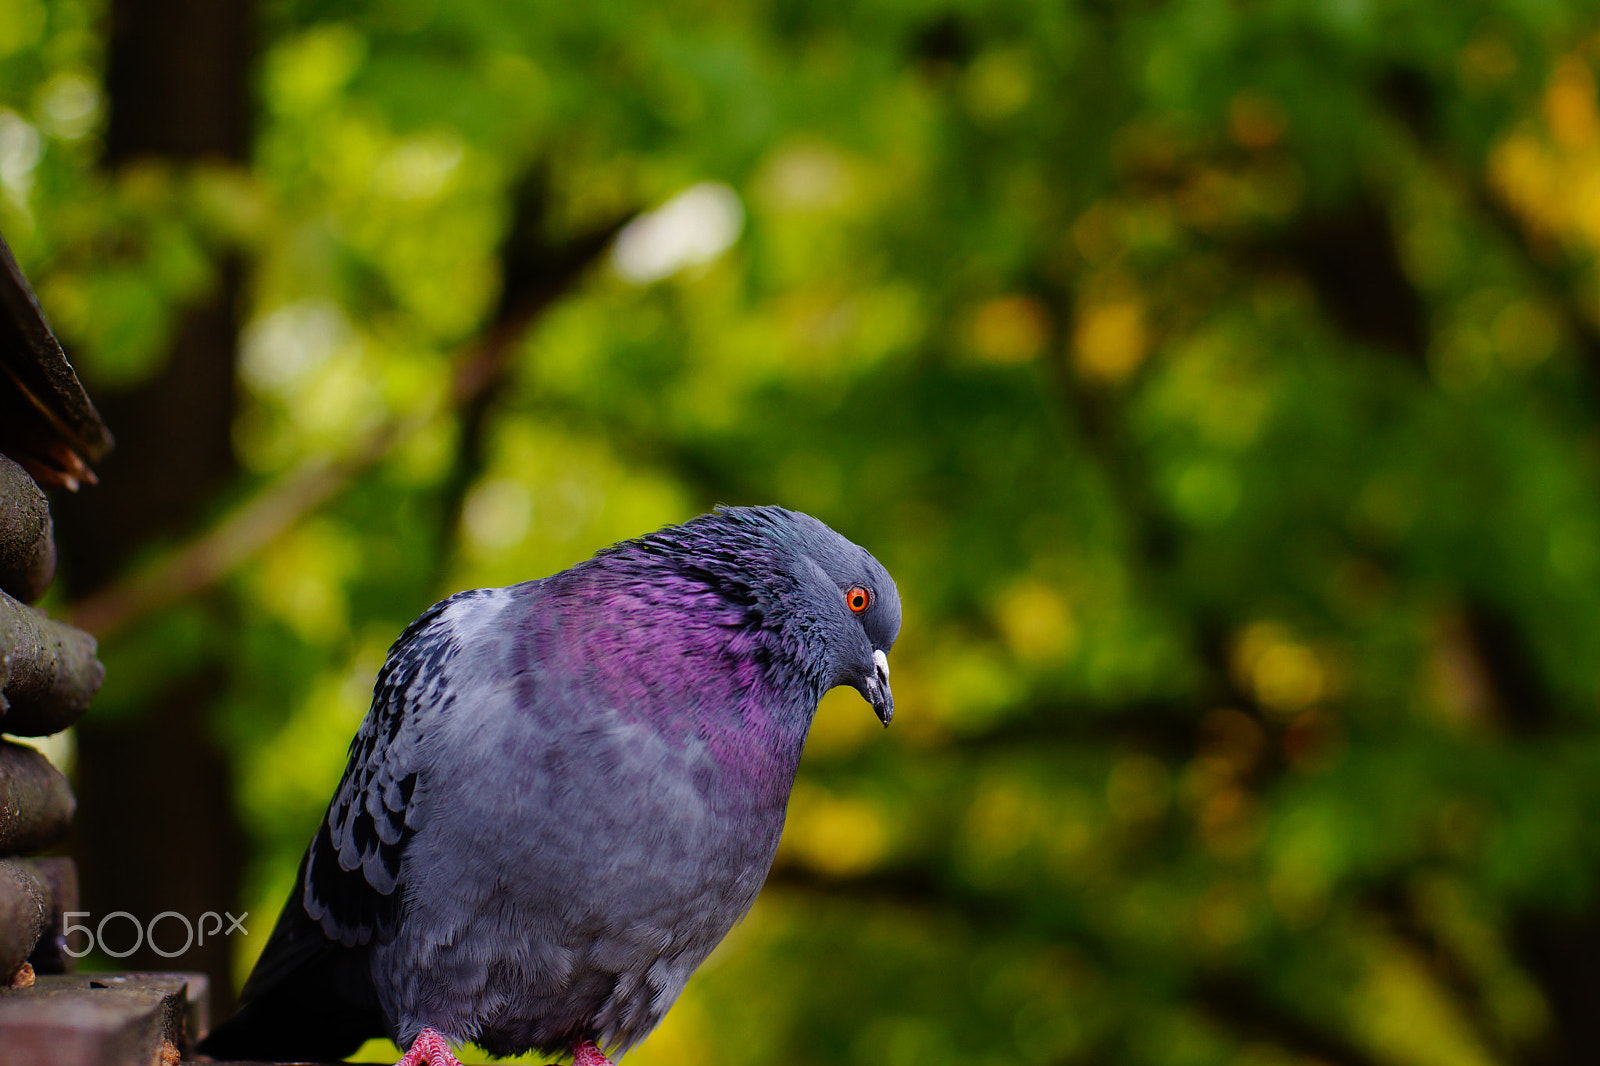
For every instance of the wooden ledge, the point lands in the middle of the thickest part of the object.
(103, 1019)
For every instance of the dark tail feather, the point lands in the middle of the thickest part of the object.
(308, 999)
(304, 1020)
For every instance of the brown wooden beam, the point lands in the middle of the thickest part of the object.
(99, 1019)
(48, 671)
(36, 803)
(27, 541)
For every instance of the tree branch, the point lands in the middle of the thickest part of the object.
(192, 567)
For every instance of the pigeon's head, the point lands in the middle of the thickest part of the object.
(835, 606)
(852, 601)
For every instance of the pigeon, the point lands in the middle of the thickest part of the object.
(565, 794)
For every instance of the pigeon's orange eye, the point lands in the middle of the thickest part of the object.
(857, 598)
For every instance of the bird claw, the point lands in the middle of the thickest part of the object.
(429, 1047)
(584, 1053)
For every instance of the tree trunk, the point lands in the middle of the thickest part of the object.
(156, 830)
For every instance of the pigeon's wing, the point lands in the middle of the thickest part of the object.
(348, 884)
(310, 994)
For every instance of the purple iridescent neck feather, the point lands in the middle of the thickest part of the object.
(700, 636)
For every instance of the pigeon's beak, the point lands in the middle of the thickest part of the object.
(877, 688)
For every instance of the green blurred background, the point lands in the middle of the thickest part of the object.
(1218, 379)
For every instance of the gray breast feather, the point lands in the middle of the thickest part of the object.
(521, 929)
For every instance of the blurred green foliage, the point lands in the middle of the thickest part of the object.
(1218, 380)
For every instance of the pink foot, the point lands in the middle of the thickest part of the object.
(429, 1047)
(584, 1053)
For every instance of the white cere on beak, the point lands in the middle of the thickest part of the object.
(882, 662)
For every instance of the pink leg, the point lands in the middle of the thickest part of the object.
(584, 1053)
(429, 1047)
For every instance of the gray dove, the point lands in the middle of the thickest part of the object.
(565, 794)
